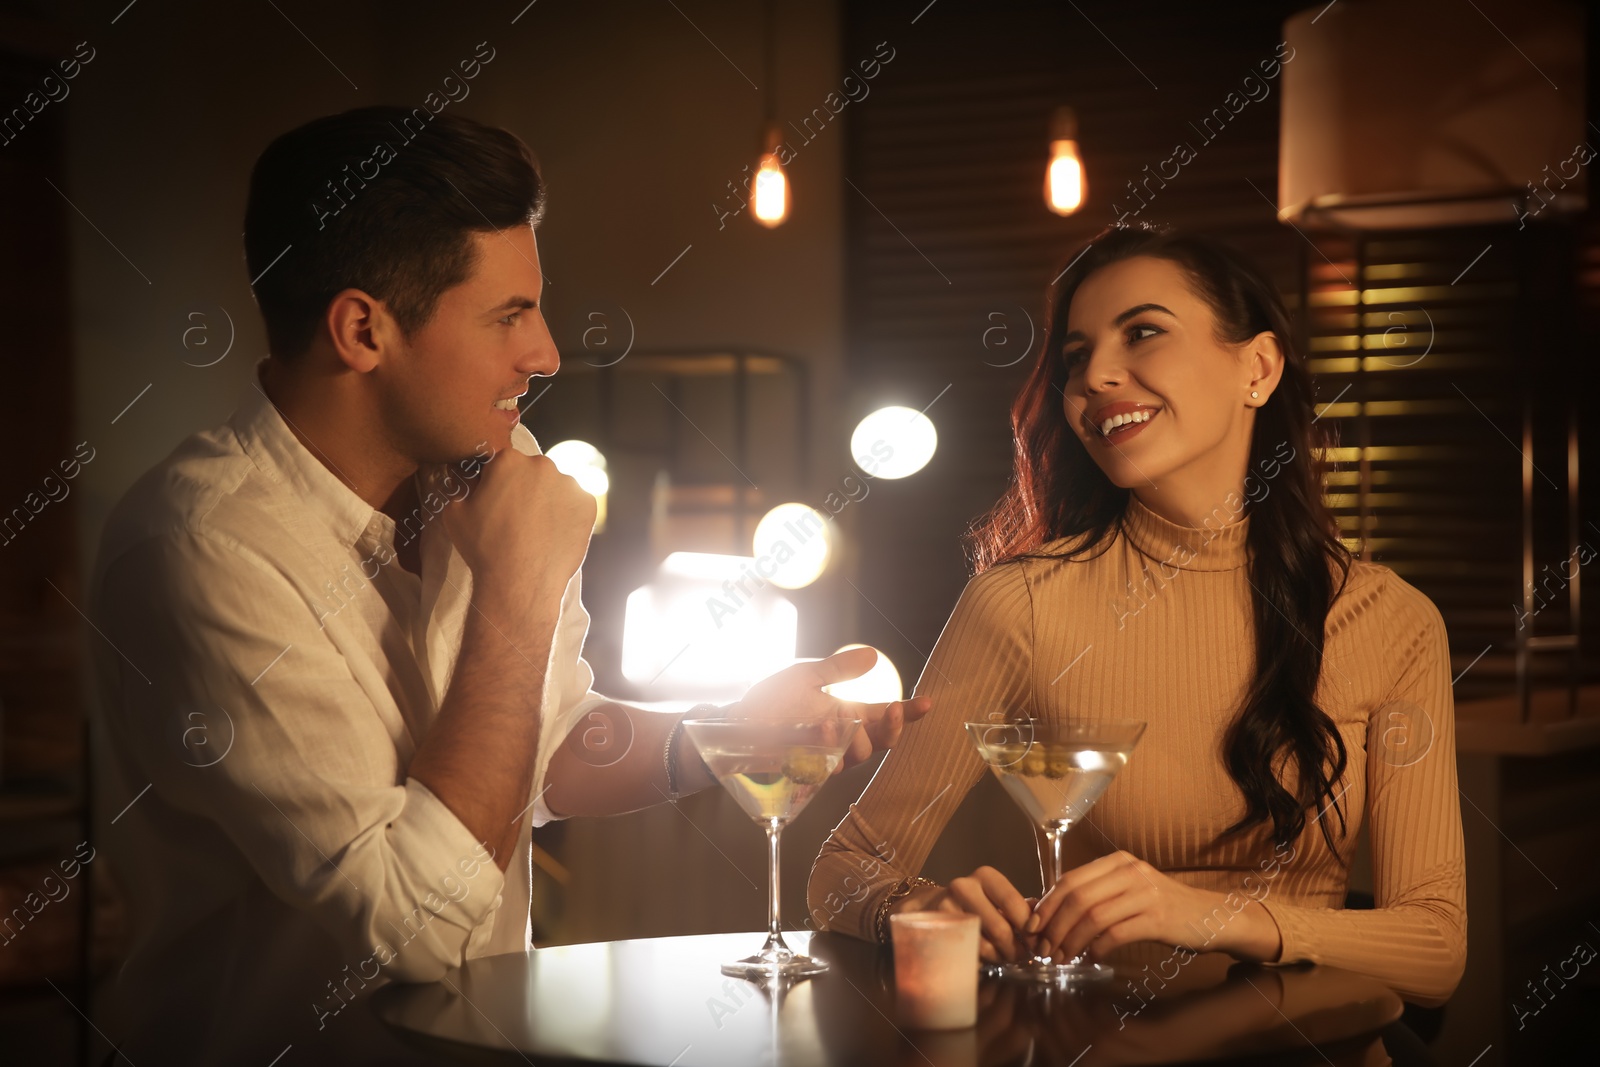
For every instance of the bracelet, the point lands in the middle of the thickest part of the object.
(880, 925)
(672, 739)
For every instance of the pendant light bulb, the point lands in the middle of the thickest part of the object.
(1064, 184)
(771, 199)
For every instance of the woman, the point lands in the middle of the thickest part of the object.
(1164, 553)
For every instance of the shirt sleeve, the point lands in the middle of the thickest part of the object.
(309, 788)
(980, 667)
(573, 695)
(1415, 939)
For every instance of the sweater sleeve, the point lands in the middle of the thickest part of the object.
(1415, 939)
(981, 668)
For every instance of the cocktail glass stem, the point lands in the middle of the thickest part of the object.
(774, 946)
(1055, 860)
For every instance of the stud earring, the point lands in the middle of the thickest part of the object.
(1254, 395)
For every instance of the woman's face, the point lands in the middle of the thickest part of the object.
(1160, 403)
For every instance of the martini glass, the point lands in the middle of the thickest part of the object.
(1055, 771)
(773, 766)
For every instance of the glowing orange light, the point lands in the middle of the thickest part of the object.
(770, 202)
(1064, 184)
(772, 192)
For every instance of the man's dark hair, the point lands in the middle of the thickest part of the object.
(383, 200)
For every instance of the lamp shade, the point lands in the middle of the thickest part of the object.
(1419, 113)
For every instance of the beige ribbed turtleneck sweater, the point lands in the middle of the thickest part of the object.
(1159, 627)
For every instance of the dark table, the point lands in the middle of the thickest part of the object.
(662, 1002)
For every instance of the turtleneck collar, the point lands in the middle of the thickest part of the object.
(1217, 545)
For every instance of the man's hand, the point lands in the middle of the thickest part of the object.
(798, 691)
(523, 529)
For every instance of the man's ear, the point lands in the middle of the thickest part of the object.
(360, 328)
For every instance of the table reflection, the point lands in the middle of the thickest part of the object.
(663, 1001)
(1162, 1007)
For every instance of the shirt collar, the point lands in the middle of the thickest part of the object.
(1220, 544)
(267, 439)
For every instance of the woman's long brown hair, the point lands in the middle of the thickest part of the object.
(1058, 492)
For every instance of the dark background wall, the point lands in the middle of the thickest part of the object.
(913, 271)
(950, 247)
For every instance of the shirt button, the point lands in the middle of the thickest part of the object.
(498, 897)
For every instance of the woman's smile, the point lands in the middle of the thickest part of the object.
(1116, 423)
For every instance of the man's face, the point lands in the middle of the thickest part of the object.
(453, 388)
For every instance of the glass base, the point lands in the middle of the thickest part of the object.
(774, 963)
(1075, 972)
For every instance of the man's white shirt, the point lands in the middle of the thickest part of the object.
(267, 670)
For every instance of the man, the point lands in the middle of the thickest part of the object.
(342, 673)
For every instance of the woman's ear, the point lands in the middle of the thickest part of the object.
(1264, 361)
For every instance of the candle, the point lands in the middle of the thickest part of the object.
(935, 969)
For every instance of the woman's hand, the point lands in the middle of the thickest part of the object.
(988, 894)
(1117, 899)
